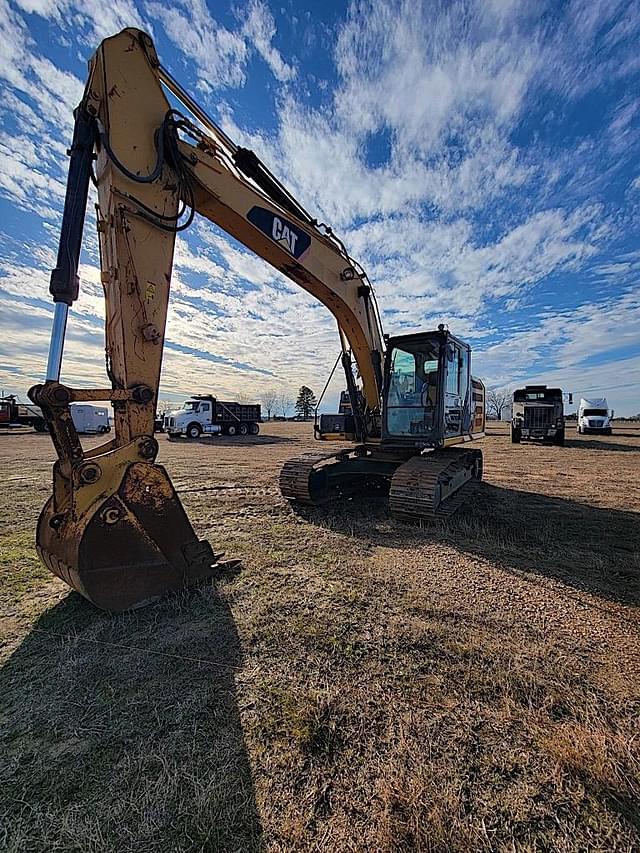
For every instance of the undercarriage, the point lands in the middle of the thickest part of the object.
(421, 487)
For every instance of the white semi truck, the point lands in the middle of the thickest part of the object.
(594, 417)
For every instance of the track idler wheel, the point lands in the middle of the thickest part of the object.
(128, 549)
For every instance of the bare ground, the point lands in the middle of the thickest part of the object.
(359, 685)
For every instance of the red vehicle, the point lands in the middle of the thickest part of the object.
(16, 414)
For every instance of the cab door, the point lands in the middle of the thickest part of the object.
(204, 413)
(456, 387)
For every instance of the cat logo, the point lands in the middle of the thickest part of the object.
(281, 233)
(287, 235)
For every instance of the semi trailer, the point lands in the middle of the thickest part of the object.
(538, 415)
(204, 414)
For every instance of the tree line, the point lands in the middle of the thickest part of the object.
(278, 403)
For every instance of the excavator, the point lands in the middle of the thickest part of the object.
(114, 528)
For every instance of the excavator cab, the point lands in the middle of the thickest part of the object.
(427, 389)
(427, 396)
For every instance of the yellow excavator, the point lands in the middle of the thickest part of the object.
(114, 528)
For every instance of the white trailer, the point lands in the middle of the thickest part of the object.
(90, 419)
(593, 416)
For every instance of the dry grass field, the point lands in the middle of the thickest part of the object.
(358, 685)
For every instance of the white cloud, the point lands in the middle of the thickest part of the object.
(430, 75)
(260, 29)
(219, 54)
(101, 19)
(429, 274)
(562, 346)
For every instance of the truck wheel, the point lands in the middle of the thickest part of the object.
(194, 430)
(559, 439)
(40, 426)
(244, 429)
(516, 435)
(232, 429)
(254, 429)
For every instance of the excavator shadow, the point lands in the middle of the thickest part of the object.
(590, 548)
(125, 730)
(601, 445)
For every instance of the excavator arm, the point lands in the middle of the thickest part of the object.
(114, 528)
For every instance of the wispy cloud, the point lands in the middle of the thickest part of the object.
(260, 30)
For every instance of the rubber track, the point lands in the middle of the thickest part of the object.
(414, 493)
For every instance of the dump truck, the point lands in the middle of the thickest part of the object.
(594, 417)
(538, 415)
(205, 414)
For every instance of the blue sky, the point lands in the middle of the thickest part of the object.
(479, 159)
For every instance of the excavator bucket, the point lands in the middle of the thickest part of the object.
(128, 549)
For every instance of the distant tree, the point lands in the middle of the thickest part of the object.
(285, 402)
(270, 401)
(306, 402)
(498, 399)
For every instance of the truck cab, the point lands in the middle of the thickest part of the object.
(191, 420)
(538, 415)
(594, 417)
(15, 414)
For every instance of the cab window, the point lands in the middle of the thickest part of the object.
(403, 373)
(412, 389)
(453, 370)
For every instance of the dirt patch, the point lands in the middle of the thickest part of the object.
(359, 685)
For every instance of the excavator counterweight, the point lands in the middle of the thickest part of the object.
(114, 528)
